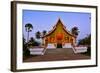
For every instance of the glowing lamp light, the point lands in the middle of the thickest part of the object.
(59, 36)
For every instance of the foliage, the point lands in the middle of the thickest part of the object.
(38, 35)
(75, 31)
(33, 42)
(88, 53)
(25, 48)
(28, 28)
(32, 39)
(26, 52)
(85, 41)
(44, 32)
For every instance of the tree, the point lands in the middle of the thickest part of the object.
(44, 32)
(24, 43)
(24, 40)
(33, 42)
(75, 31)
(28, 28)
(38, 35)
(31, 39)
(85, 41)
(26, 52)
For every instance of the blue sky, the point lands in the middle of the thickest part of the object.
(45, 20)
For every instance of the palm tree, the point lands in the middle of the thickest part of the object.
(44, 32)
(29, 28)
(75, 31)
(38, 35)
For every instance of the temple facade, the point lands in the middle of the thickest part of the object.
(59, 36)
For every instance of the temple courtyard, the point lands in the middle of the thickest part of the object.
(57, 54)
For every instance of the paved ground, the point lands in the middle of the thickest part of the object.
(57, 54)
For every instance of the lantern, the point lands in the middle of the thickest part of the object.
(59, 36)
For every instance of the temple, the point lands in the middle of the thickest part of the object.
(59, 36)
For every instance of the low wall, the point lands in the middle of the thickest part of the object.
(37, 51)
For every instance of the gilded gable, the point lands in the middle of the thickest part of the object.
(59, 34)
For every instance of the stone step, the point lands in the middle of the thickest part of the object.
(59, 51)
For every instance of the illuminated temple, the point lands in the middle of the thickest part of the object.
(59, 36)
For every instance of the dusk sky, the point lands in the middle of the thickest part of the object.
(45, 20)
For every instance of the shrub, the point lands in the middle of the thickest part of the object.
(26, 52)
(88, 53)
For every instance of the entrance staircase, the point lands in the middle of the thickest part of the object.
(59, 51)
(68, 48)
